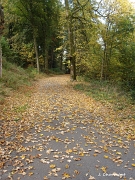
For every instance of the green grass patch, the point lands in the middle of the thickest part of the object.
(14, 77)
(105, 92)
(21, 109)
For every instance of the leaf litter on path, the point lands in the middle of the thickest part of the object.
(58, 132)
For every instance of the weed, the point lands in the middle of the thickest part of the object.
(14, 77)
(21, 109)
(17, 119)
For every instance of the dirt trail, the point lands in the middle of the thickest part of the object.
(58, 133)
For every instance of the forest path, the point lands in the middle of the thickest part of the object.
(56, 134)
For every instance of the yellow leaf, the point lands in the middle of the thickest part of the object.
(31, 173)
(103, 168)
(52, 166)
(68, 151)
(106, 157)
(22, 157)
(46, 178)
(105, 149)
(66, 166)
(81, 154)
(66, 175)
(73, 129)
(119, 153)
(77, 159)
(133, 165)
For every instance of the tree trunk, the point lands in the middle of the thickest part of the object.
(102, 69)
(0, 60)
(46, 60)
(1, 32)
(36, 52)
(61, 58)
(71, 43)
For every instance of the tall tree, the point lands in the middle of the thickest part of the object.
(71, 41)
(1, 32)
(109, 14)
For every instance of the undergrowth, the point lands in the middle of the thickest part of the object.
(14, 77)
(106, 92)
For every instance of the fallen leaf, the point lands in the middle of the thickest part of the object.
(46, 178)
(68, 151)
(81, 154)
(91, 178)
(67, 166)
(119, 153)
(76, 172)
(52, 166)
(103, 168)
(31, 173)
(66, 175)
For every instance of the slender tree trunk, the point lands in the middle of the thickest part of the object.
(71, 43)
(52, 58)
(0, 60)
(1, 32)
(46, 55)
(72, 50)
(61, 58)
(46, 60)
(36, 52)
(102, 69)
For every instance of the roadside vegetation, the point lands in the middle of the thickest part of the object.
(105, 91)
(14, 77)
(119, 102)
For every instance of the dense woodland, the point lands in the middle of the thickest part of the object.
(93, 38)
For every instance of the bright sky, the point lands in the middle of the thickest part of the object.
(132, 1)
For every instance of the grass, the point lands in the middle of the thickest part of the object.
(105, 92)
(21, 109)
(112, 103)
(14, 77)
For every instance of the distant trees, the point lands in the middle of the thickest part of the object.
(97, 37)
(32, 31)
(116, 30)
(100, 38)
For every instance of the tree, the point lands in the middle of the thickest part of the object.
(77, 24)
(35, 25)
(110, 13)
(71, 41)
(1, 32)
